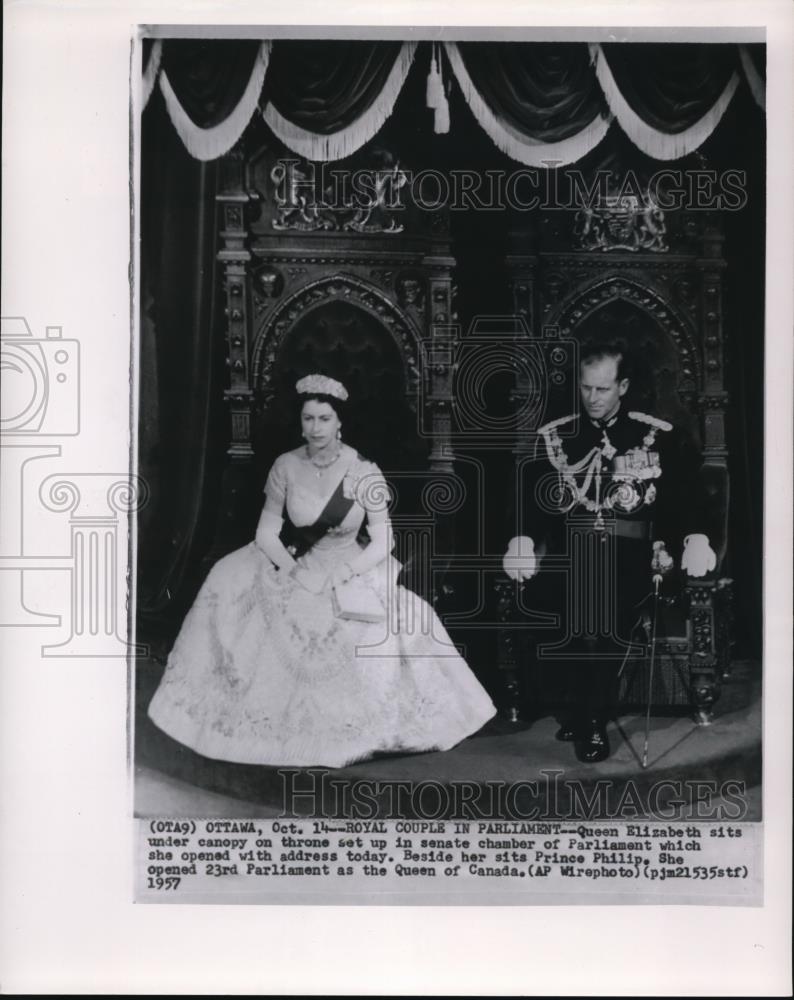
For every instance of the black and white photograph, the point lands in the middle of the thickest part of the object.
(451, 421)
(396, 499)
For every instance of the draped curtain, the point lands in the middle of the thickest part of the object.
(540, 103)
(545, 91)
(180, 367)
(667, 98)
(326, 101)
(211, 90)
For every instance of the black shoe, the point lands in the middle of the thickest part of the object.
(595, 746)
(567, 733)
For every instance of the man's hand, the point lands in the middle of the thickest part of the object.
(699, 558)
(520, 562)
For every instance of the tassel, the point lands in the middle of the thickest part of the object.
(435, 85)
(441, 124)
(436, 97)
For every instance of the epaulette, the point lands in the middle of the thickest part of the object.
(645, 418)
(557, 423)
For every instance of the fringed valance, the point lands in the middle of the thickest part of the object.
(753, 65)
(211, 92)
(325, 103)
(536, 102)
(542, 104)
(152, 54)
(668, 99)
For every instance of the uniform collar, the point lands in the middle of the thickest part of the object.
(603, 424)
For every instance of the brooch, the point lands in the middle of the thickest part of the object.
(350, 485)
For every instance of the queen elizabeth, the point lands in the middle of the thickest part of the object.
(314, 654)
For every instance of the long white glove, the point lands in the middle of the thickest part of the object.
(267, 539)
(520, 562)
(698, 558)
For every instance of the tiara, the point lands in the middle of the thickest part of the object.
(322, 384)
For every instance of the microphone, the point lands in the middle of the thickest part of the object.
(661, 563)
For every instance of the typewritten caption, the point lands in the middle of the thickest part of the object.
(319, 860)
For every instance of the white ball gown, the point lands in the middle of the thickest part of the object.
(264, 672)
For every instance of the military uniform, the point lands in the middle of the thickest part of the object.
(600, 493)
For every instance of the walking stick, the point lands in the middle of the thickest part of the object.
(657, 579)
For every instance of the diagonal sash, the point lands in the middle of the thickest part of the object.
(329, 517)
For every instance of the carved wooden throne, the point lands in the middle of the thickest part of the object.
(358, 286)
(660, 285)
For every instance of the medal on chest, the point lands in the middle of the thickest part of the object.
(606, 480)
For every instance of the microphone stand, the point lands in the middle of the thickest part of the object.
(657, 579)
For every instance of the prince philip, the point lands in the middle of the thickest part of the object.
(612, 502)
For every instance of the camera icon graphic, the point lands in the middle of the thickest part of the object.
(41, 400)
(40, 381)
(498, 381)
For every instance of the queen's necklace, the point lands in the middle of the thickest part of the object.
(322, 466)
